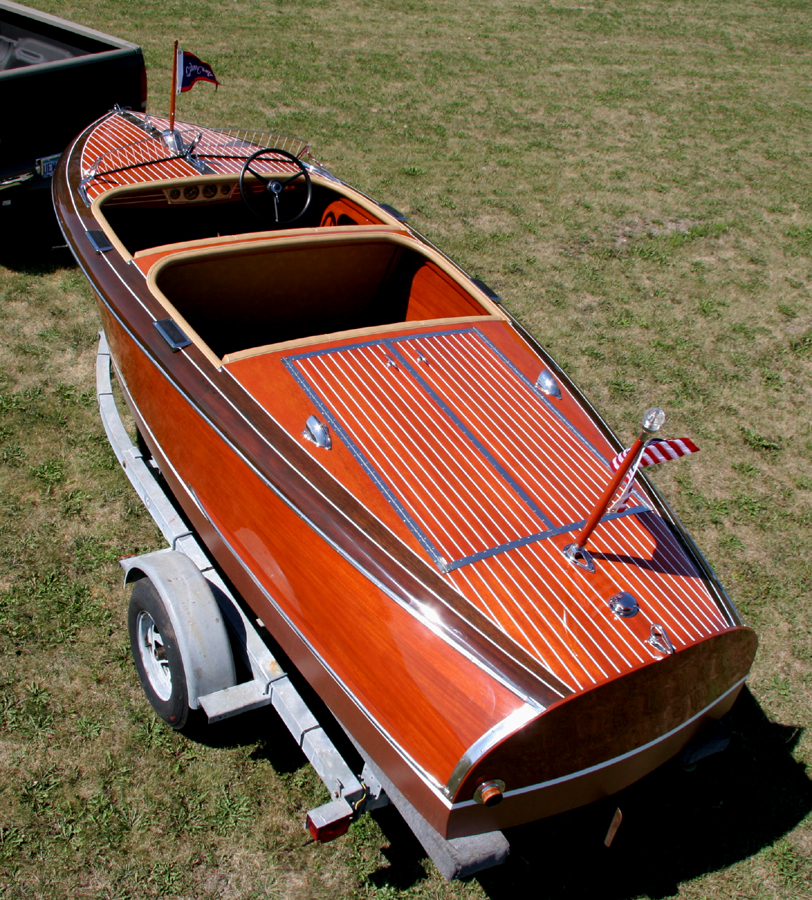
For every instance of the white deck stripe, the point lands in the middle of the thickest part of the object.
(121, 143)
(429, 440)
(508, 439)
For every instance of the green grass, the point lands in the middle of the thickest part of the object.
(634, 179)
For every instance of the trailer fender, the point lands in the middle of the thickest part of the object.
(196, 618)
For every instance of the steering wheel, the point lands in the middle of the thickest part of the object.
(273, 185)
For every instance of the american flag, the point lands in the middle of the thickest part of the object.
(657, 450)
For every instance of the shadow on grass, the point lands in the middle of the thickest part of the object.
(262, 727)
(677, 825)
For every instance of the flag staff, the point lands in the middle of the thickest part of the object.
(174, 88)
(653, 420)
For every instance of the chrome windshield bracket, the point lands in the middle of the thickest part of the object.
(173, 141)
(189, 156)
(91, 174)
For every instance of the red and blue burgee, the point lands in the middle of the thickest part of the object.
(191, 70)
(657, 450)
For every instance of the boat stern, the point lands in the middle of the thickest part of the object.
(596, 742)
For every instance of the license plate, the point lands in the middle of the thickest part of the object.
(47, 165)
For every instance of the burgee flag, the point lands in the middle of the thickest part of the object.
(659, 450)
(191, 70)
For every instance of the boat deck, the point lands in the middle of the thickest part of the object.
(443, 433)
(122, 151)
(489, 478)
(413, 568)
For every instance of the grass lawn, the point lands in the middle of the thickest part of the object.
(634, 179)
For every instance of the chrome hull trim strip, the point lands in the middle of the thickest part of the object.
(610, 762)
(427, 617)
(426, 612)
(512, 723)
(418, 770)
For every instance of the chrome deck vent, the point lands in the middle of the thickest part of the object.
(318, 432)
(548, 385)
(624, 605)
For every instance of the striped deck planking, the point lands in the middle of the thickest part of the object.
(479, 465)
(415, 575)
(119, 153)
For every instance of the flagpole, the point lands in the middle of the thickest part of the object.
(174, 88)
(653, 420)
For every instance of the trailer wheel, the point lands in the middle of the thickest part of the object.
(156, 655)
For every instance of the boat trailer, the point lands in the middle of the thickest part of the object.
(209, 622)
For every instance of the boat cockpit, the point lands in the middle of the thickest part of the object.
(244, 270)
(174, 212)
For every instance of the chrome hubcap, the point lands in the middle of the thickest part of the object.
(153, 655)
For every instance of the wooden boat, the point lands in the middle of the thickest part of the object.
(389, 471)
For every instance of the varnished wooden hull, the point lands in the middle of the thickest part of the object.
(438, 635)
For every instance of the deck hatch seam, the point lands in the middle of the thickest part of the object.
(486, 453)
(540, 536)
(377, 478)
(295, 366)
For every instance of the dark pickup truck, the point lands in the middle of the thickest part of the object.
(55, 78)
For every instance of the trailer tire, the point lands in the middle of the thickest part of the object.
(157, 657)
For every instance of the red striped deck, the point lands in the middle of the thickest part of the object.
(493, 480)
(120, 152)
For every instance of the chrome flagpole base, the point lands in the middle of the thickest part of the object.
(580, 557)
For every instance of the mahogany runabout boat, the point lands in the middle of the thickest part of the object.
(394, 476)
